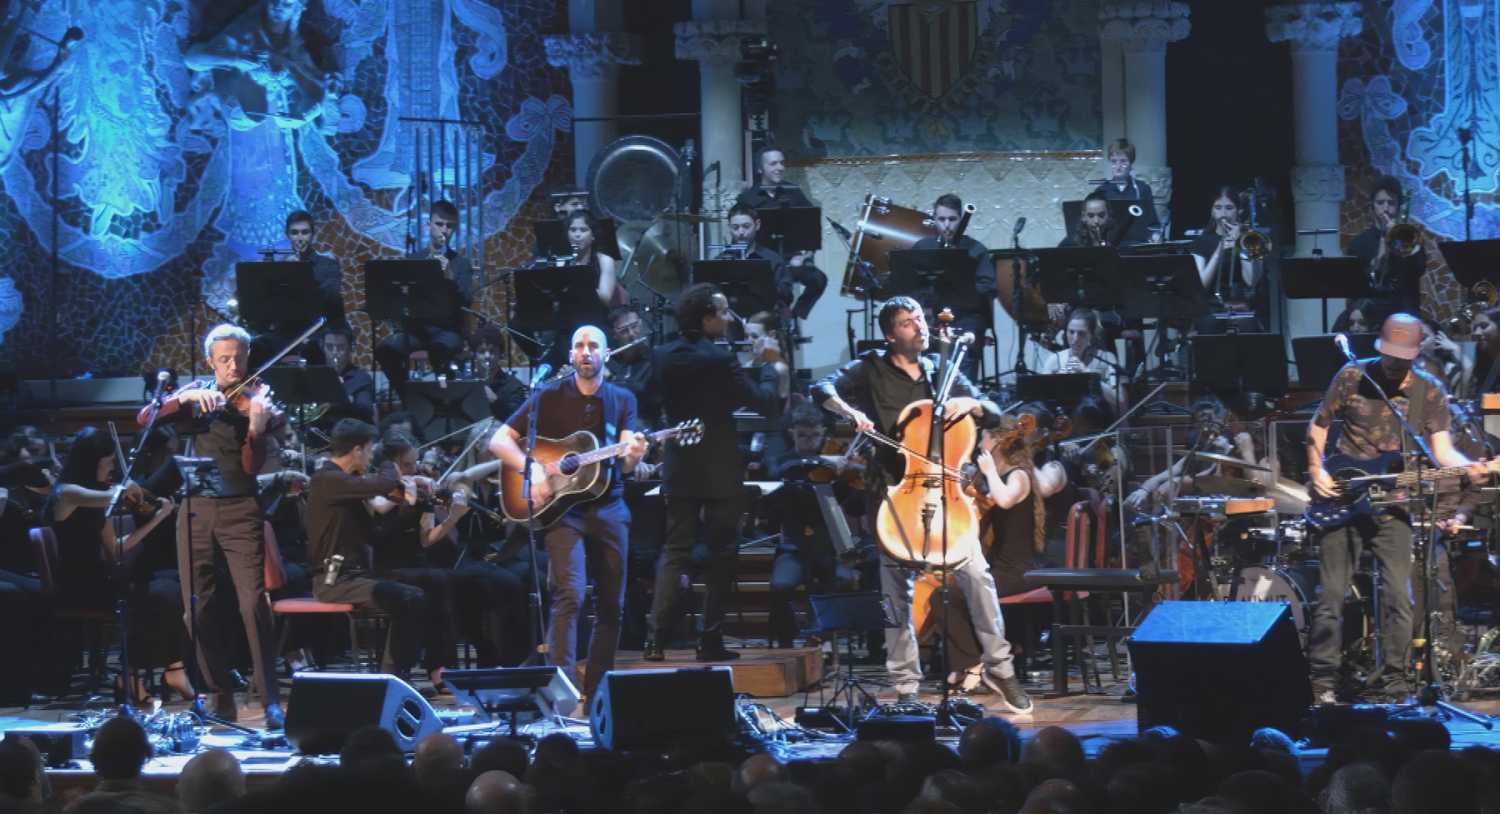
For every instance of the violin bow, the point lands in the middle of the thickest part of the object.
(303, 337)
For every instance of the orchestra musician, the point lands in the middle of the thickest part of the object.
(744, 228)
(443, 338)
(300, 229)
(593, 537)
(971, 314)
(871, 391)
(359, 385)
(1397, 279)
(1369, 429)
(1122, 185)
(773, 192)
(631, 368)
(1224, 268)
(703, 484)
(1095, 227)
(224, 516)
(1085, 354)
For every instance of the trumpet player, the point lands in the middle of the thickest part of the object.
(1395, 265)
(1230, 258)
(1095, 227)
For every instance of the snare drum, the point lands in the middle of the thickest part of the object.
(883, 227)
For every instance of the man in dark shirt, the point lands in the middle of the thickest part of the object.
(704, 484)
(339, 531)
(881, 384)
(221, 514)
(1369, 430)
(974, 311)
(592, 536)
(1124, 186)
(744, 228)
(773, 192)
(300, 229)
(359, 385)
(1397, 278)
(442, 339)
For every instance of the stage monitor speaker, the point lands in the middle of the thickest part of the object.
(325, 707)
(1220, 670)
(634, 709)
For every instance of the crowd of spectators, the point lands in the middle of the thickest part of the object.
(1408, 768)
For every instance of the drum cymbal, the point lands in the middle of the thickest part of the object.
(1229, 459)
(685, 217)
(1290, 496)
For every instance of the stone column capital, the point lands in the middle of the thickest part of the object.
(1318, 182)
(591, 55)
(1141, 26)
(715, 41)
(1314, 26)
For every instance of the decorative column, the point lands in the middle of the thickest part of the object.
(1314, 31)
(593, 60)
(714, 42)
(1139, 32)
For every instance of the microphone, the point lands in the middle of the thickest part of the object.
(540, 374)
(162, 377)
(1343, 344)
(689, 151)
(967, 338)
(1020, 224)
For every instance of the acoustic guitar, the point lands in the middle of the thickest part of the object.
(578, 461)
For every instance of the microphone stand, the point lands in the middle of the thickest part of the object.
(1465, 137)
(538, 631)
(1430, 694)
(949, 362)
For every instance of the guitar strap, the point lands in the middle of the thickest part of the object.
(1416, 408)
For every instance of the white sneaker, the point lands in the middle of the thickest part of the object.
(1325, 697)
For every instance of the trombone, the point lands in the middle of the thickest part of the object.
(1403, 238)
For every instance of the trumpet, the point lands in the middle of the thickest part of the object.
(1403, 238)
(1253, 244)
(1482, 297)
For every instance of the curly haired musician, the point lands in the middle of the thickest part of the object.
(1369, 430)
(881, 384)
(595, 533)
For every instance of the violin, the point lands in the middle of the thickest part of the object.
(927, 518)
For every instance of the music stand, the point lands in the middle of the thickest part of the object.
(1323, 278)
(301, 385)
(1080, 276)
(438, 408)
(749, 285)
(272, 293)
(793, 229)
(1055, 388)
(552, 238)
(547, 298)
(1472, 261)
(1239, 363)
(1318, 358)
(546, 691)
(931, 276)
(1165, 288)
(407, 289)
(850, 614)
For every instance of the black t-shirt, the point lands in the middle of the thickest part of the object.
(783, 196)
(1138, 230)
(562, 409)
(1230, 290)
(1401, 288)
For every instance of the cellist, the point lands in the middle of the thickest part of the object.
(882, 383)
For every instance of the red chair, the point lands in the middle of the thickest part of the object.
(292, 607)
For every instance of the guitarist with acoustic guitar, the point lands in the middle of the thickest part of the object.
(1370, 443)
(596, 532)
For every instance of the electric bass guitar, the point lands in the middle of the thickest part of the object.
(1364, 481)
(580, 475)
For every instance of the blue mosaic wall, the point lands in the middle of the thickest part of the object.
(164, 187)
(869, 77)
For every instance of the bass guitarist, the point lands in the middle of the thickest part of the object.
(1368, 432)
(592, 536)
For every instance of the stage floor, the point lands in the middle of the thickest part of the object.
(1097, 718)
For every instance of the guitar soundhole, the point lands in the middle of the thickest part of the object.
(568, 465)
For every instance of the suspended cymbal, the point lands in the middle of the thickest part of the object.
(661, 256)
(1290, 496)
(686, 217)
(1228, 459)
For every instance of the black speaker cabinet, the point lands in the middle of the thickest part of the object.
(325, 707)
(1220, 670)
(634, 709)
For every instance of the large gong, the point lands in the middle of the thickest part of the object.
(642, 183)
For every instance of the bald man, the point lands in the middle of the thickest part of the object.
(592, 536)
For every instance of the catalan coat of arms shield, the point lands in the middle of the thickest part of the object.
(933, 41)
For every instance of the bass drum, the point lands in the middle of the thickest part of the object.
(1019, 291)
(1297, 585)
(883, 228)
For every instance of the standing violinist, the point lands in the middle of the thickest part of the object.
(871, 392)
(224, 516)
(1396, 278)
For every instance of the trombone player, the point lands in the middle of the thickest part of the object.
(1230, 254)
(1391, 249)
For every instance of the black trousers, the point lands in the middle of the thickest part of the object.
(793, 567)
(491, 606)
(233, 526)
(719, 519)
(405, 605)
(393, 352)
